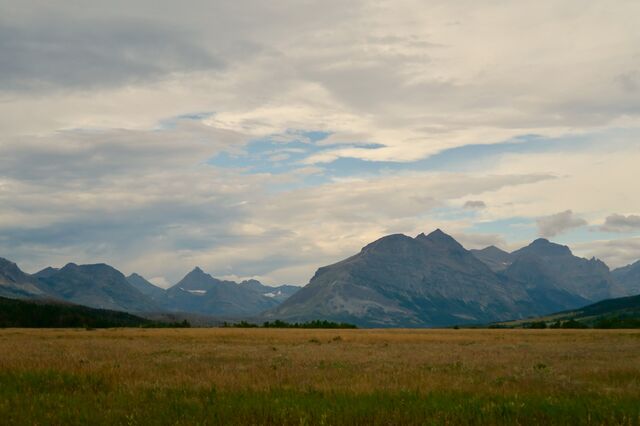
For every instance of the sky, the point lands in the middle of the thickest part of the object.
(266, 139)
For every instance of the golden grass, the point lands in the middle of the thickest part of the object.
(490, 362)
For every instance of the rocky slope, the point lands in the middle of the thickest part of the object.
(628, 277)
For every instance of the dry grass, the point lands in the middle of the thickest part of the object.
(490, 363)
(351, 360)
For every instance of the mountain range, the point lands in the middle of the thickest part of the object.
(201, 293)
(396, 281)
(431, 280)
(97, 286)
(104, 287)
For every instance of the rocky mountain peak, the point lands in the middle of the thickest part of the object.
(545, 248)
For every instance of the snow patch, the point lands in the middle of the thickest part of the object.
(198, 292)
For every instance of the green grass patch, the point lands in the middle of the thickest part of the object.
(50, 397)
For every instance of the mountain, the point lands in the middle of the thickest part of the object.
(493, 257)
(16, 284)
(628, 277)
(551, 272)
(430, 280)
(199, 292)
(279, 293)
(97, 286)
(46, 272)
(145, 287)
(623, 312)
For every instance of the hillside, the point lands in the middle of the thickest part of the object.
(21, 313)
(623, 312)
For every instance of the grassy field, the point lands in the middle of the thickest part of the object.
(298, 377)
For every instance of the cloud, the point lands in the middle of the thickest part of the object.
(105, 155)
(474, 204)
(558, 223)
(54, 54)
(621, 223)
(615, 253)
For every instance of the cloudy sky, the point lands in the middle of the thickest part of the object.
(267, 138)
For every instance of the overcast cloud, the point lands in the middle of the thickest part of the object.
(622, 223)
(266, 139)
(550, 226)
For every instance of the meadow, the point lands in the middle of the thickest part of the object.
(231, 376)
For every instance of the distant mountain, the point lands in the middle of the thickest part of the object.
(623, 312)
(430, 280)
(628, 277)
(493, 257)
(199, 292)
(98, 286)
(551, 272)
(146, 288)
(46, 272)
(16, 284)
(279, 293)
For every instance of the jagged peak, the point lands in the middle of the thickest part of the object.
(438, 233)
(440, 238)
(198, 273)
